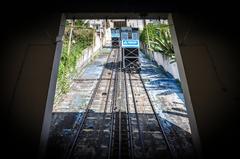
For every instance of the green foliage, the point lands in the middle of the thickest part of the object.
(82, 37)
(159, 39)
(149, 31)
(81, 23)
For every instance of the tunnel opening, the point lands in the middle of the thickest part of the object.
(107, 112)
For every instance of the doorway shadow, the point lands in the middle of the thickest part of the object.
(64, 126)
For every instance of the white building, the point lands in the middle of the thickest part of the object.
(136, 23)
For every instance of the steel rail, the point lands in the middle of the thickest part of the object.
(113, 104)
(128, 116)
(72, 145)
(136, 113)
(156, 116)
(106, 104)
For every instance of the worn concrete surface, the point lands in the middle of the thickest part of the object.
(165, 93)
(167, 97)
(69, 110)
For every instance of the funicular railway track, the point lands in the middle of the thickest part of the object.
(93, 134)
(120, 120)
(146, 134)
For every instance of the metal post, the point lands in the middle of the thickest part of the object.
(70, 38)
(93, 32)
(148, 44)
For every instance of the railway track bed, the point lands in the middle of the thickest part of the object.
(119, 120)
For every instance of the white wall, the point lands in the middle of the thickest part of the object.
(108, 34)
(135, 23)
(89, 53)
(165, 62)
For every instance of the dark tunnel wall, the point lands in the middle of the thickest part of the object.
(27, 63)
(209, 48)
(210, 54)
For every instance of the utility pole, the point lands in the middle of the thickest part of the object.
(148, 44)
(93, 38)
(93, 31)
(144, 22)
(70, 38)
(148, 37)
